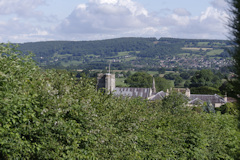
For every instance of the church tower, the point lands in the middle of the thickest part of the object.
(106, 81)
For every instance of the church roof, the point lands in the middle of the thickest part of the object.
(132, 92)
(158, 96)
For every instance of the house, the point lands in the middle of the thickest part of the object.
(199, 99)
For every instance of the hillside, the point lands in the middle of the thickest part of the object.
(125, 53)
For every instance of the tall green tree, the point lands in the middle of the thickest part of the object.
(162, 84)
(235, 31)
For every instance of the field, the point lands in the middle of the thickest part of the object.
(196, 48)
(71, 63)
(215, 52)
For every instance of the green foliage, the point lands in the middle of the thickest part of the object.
(229, 108)
(227, 88)
(40, 114)
(187, 84)
(140, 79)
(185, 75)
(162, 84)
(170, 76)
(208, 107)
(174, 102)
(235, 30)
(178, 80)
(205, 90)
(161, 70)
(205, 77)
(50, 115)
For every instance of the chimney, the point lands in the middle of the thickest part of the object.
(167, 92)
(225, 97)
(188, 93)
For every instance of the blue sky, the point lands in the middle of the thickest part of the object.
(44, 20)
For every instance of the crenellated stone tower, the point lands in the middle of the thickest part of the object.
(106, 82)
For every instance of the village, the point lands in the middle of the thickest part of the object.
(107, 83)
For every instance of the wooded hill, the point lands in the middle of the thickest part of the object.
(125, 53)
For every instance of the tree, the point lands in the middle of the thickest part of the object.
(235, 31)
(227, 88)
(185, 75)
(140, 79)
(162, 84)
(170, 76)
(177, 80)
(128, 73)
(229, 108)
(40, 112)
(161, 70)
(175, 69)
(187, 83)
(205, 90)
(174, 102)
(205, 77)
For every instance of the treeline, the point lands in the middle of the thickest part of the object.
(81, 48)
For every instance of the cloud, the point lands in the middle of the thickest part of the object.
(14, 30)
(20, 7)
(118, 18)
(181, 12)
(107, 17)
(102, 19)
(219, 4)
(211, 24)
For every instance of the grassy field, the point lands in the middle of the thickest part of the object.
(215, 52)
(61, 56)
(219, 44)
(202, 43)
(196, 48)
(122, 54)
(152, 72)
(130, 58)
(75, 63)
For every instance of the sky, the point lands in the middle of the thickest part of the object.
(76, 20)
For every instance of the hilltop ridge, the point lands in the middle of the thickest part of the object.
(131, 52)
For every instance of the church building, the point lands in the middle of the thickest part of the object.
(107, 83)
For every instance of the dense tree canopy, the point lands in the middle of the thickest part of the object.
(162, 84)
(140, 79)
(205, 77)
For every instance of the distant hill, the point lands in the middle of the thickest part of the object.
(123, 52)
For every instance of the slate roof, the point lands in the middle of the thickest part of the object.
(158, 96)
(207, 98)
(196, 101)
(132, 92)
